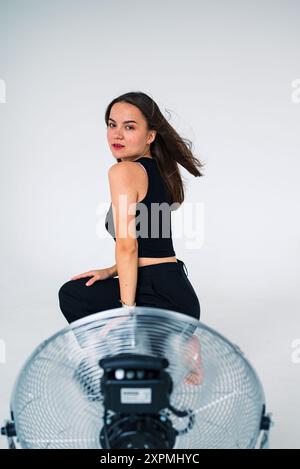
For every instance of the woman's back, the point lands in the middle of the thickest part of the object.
(153, 215)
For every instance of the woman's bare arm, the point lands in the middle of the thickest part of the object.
(124, 195)
(113, 270)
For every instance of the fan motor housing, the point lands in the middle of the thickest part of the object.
(145, 387)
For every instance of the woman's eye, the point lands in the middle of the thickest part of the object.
(129, 126)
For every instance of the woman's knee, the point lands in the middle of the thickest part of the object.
(71, 288)
(64, 290)
(67, 301)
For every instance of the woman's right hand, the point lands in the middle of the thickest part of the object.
(96, 275)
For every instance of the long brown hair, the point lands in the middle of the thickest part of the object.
(168, 148)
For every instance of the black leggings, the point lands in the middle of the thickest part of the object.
(164, 285)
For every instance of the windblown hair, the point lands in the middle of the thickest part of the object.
(168, 148)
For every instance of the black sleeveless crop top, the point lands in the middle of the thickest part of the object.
(153, 215)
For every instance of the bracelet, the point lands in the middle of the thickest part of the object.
(127, 306)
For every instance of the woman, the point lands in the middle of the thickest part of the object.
(146, 176)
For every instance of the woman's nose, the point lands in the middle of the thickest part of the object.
(118, 138)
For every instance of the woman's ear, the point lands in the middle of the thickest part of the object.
(152, 136)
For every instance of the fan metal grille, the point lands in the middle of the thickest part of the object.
(57, 401)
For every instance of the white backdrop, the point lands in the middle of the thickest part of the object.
(228, 71)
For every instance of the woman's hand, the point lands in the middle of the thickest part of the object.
(96, 275)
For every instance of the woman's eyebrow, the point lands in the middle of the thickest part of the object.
(125, 122)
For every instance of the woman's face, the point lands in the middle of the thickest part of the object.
(128, 127)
